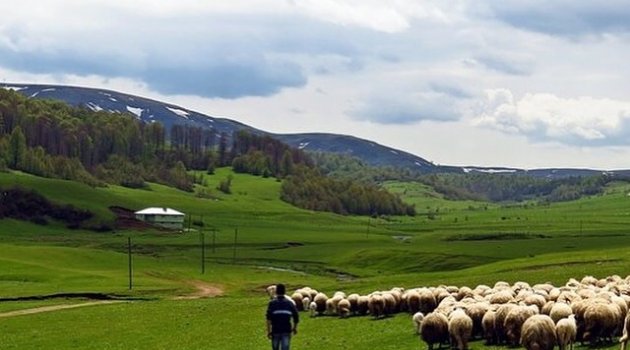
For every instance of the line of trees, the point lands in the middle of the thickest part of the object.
(51, 139)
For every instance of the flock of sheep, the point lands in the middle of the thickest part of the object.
(537, 317)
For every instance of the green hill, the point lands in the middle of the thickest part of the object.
(447, 243)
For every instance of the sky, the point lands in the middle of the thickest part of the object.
(526, 84)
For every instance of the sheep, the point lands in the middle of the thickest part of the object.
(476, 311)
(306, 303)
(501, 297)
(417, 321)
(500, 316)
(460, 328)
(538, 333)
(546, 309)
(487, 323)
(626, 329)
(391, 305)
(600, 321)
(298, 300)
(515, 320)
(331, 307)
(343, 308)
(559, 311)
(271, 291)
(376, 305)
(354, 301)
(464, 292)
(313, 307)
(427, 301)
(434, 329)
(362, 305)
(320, 300)
(413, 301)
(535, 299)
(566, 331)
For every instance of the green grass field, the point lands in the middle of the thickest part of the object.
(449, 242)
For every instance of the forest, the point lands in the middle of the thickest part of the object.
(51, 139)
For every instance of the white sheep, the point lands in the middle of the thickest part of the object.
(566, 331)
(538, 333)
(313, 307)
(271, 291)
(306, 303)
(626, 330)
(559, 311)
(417, 321)
(460, 328)
(343, 308)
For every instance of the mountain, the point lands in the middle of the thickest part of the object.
(168, 114)
(368, 151)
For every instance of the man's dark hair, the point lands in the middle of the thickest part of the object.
(280, 290)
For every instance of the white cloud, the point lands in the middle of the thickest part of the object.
(542, 116)
(386, 16)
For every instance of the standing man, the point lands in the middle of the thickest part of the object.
(279, 313)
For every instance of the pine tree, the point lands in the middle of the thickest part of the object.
(17, 148)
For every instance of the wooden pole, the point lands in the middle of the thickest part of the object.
(234, 249)
(130, 267)
(214, 240)
(203, 252)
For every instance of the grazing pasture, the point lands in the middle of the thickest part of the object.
(452, 243)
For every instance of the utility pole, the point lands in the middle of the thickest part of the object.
(234, 249)
(203, 252)
(130, 267)
(214, 240)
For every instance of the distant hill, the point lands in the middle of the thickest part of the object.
(168, 114)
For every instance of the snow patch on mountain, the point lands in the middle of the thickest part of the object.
(490, 171)
(178, 112)
(136, 111)
(94, 107)
(14, 88)
(303, 145)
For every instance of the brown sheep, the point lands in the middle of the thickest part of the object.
(538, 333)
(500, 316)
(487, 323)
(434, 329)
(514, 322)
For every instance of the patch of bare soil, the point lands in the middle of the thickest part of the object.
(202, 290)
(50, 308)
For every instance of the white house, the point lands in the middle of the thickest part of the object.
(165, 217)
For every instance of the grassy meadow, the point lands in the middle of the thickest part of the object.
(252, 239)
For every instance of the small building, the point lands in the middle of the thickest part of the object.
(165, 217)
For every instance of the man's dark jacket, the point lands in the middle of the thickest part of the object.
(280, 311)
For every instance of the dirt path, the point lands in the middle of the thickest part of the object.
(38, 310)
(203, 290)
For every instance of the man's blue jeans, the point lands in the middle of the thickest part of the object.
(280, 341)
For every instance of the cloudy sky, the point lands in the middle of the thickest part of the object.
(529, 84)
